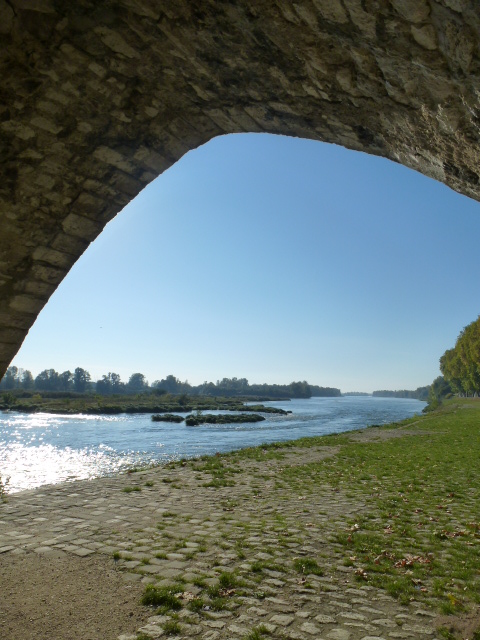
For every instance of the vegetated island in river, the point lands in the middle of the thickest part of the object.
(250, 414)
(221, 418)
(167, 417)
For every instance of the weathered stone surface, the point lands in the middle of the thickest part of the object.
(100, 98)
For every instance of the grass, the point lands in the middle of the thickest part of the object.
(228, 580)
(419, 536)
(219, 472)
(443, 632)
(307, 566)
(218, 604)
(199, 582)
(172, 628)
(131, 489)
(3, 489)
(415, 534)
(259, 565)
(196, 605)
(257, 633)
(163, 597)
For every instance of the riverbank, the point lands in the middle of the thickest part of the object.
(93, 404)
(370, 534)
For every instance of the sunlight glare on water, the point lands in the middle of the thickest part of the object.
(39, 449)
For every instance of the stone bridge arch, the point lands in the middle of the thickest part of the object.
(99, 98)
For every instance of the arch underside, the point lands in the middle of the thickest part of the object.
(98, 99)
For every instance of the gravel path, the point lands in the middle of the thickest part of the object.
(75, 557)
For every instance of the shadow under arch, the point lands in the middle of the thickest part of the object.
(99, 100)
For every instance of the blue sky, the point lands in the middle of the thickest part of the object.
(274, 259)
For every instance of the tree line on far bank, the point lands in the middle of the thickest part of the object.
(80, 381)
(420, 393)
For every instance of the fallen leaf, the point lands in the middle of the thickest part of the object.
(186, 595)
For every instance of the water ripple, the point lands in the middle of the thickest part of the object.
(38, 449)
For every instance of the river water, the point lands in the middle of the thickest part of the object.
(41, 448)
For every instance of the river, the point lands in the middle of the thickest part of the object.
(38, 449)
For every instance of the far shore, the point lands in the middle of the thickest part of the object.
(70, 404)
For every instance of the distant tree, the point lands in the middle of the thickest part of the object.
(65, 380)
(110, 384)
(47, 380)
(300, 390)
(117, 384)
(231, 386)
(206, 389)
(325, 392)
(81, 378)
(157, 388)
(170, 384)
(103, 386)
(137, 383)
(420, 393)
(27, 381)
(10, 380)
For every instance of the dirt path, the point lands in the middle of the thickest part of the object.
(58, 596)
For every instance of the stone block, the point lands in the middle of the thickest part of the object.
(52, 257)
(46, 125)
(80, 226)
(425, 36)
(27, 304)
(41, 6)
(114, 158)
(11, 335)
(282, 620)
(151, 159)
(6, 17)
(39, 289)
(412, 10)
(114, 41)
(331, 10)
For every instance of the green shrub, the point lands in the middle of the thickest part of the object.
(162, 597)
(307, 565)
(3, 489)
(172, 628)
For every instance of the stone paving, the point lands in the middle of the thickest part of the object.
(169, 525)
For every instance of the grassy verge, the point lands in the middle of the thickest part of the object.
(411, 491)
(419, 535)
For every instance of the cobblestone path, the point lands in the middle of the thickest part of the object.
(258, 556)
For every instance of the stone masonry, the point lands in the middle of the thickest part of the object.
(177, 527)
(99, 98)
